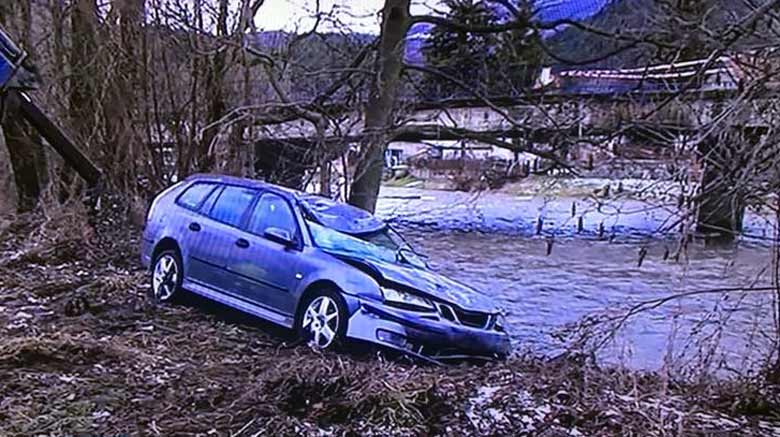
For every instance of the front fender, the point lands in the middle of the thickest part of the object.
(324, 268)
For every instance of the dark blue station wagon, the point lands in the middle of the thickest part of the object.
(326, 269)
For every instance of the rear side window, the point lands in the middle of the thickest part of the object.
(192, 197)
(231, 205)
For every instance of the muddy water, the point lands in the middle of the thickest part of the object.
(490, 242)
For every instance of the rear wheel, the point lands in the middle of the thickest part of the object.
(323, 321)
(167, 275)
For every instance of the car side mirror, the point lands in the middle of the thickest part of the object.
(281, 236)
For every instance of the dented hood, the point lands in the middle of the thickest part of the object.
(431, 283)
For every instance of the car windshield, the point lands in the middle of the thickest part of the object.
(330, 239)
(383, 245)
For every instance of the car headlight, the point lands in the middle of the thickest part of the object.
(405, 299)
(500, 323)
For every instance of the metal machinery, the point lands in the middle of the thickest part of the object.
(16, 79)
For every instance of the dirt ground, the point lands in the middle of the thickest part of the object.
(84, 351)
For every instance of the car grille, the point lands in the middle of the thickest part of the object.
(472, 319)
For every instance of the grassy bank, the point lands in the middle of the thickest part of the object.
(84, 351)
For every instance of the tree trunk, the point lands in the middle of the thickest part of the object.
(57, 10)
(83, 93)
(721, 209)
(238, 152)
(118, 136)
(215, 92)
(325, 177)
(20, 151)
(23, 157)
(83, 69)
(8, 200)
(379, 112)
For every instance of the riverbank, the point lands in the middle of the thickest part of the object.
(558, 186)
(602, 208)
(84, 351)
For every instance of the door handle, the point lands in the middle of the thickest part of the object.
(242, 243)
(194, 227)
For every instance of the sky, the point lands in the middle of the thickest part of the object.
(359, 15)
(362, 15)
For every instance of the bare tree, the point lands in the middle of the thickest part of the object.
(381, 103)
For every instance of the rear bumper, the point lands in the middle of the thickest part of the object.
(410, 332)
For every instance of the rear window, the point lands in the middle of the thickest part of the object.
(192, 197)
(232, 204)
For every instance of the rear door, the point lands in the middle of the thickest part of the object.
(189, 222)
(216, 236)
(266, 270)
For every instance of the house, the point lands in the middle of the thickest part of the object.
(722, 74)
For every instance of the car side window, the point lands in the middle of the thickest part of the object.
(272, 211)
(192, 197)
(209, 202)
(231, 205)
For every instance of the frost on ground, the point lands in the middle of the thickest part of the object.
(83, 351)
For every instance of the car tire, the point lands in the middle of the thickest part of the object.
(323, 327)
(167, 276)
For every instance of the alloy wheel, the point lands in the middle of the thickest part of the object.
(321, 320)
(165, 277)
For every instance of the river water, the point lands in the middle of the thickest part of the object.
(490, 241)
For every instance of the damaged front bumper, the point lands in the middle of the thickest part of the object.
(425, 335)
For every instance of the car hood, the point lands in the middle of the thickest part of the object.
(429, 282)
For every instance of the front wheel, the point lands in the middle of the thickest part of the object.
(324, 320)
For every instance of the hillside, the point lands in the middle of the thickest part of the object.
(641, 19)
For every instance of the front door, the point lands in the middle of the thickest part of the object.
(265, 270)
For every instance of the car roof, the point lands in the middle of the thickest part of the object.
(241, 182)
(329, 213)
